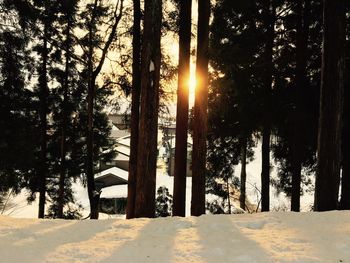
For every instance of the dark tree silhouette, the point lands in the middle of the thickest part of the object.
(148, 127)
(302, 12)
(331, 107)
(135, 110)
(200, 111)
(179, 199)
(270, 18)
(93, 73)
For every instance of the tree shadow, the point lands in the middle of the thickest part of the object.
(153, 241)
(35, 243)
(222, 241)
(299, 237)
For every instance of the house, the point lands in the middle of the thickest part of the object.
(115, 172)
(169, 132)
(121, 121)
(121, 160)
(111, 203)
(110, 177)
(171, 164)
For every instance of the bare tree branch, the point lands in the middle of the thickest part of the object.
(111, 37)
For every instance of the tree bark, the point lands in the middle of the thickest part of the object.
(92, 193)
(265, 172)
(44, 90)
(200, 111)
(228, 195)
(179, 196)
(63, 153)
(345, 175)
(331, 107)
(298, 123)
(265, 151)
(345, 183)
(242, 196)
(147, 145)
(135, 110)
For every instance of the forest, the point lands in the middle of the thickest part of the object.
(272, 78)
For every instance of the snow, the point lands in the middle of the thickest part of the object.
(115, 171)
(151, 66)
(262, 237)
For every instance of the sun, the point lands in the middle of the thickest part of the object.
(192, 84)
(191, 88)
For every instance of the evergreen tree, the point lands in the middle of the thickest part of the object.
(65, 75)
(46, 15)
(17, 135)
(237, 94)
(164, 202)
(299, 64)
(69, 10)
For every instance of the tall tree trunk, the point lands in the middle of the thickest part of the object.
(345, 178)
(265, 151)
(345, 186)
(265, 172)
(135, 110)
(147, 146)
(228, 195)
(43, 82)
(92, 193)
(63, 153)
(243, 173)
(331, 107)
(296, 170)
(200, 111)
(179, 196)
(297, 116)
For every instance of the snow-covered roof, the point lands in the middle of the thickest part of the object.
(115, 134)
(123, 150)
(116, 191)
(125, 140)
(112, 176)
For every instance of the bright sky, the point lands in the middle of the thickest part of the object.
(172, 46)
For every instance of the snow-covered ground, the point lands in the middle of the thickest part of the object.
(262, 237)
